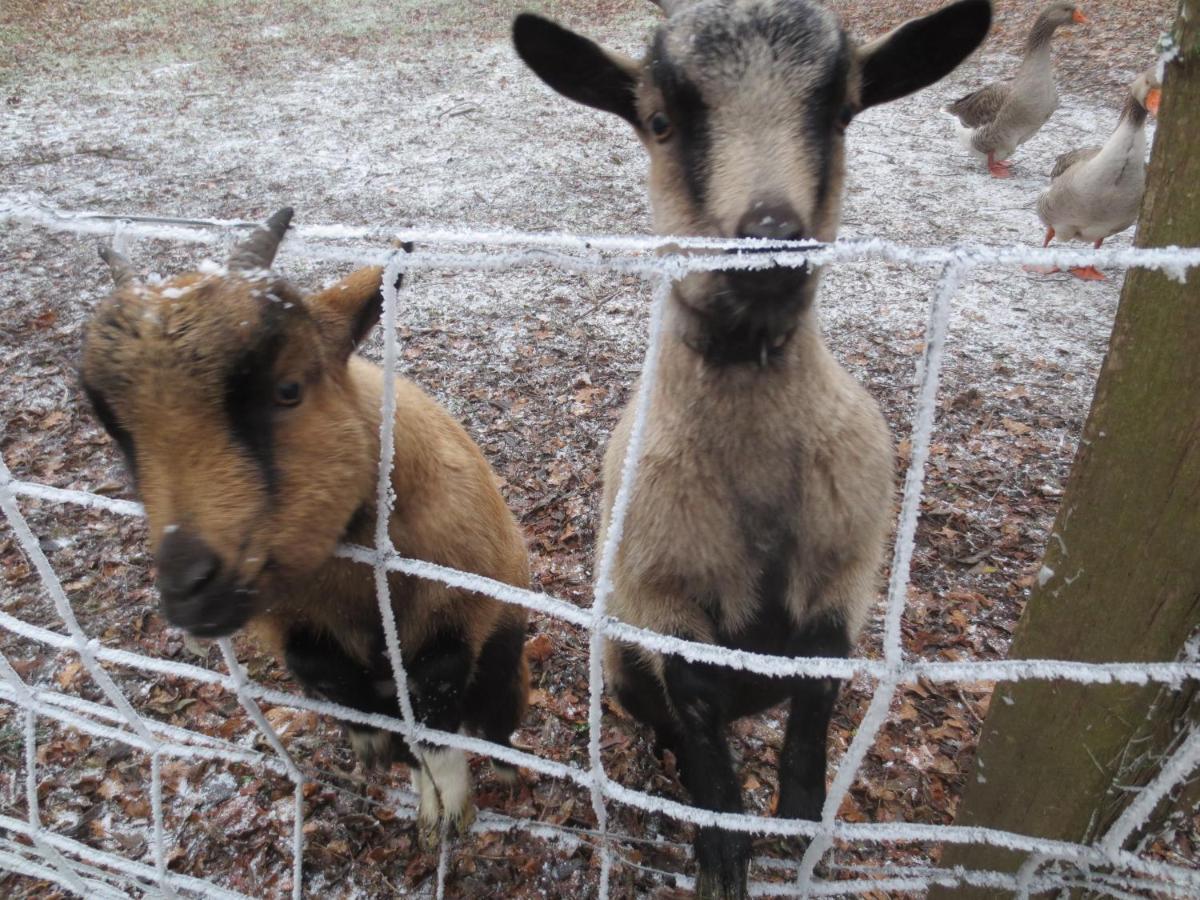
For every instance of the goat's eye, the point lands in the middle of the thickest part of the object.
(661, 126)
(845, 115)
(287, 392)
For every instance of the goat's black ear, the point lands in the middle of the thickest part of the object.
(922, 51)
(576, 67)
(347, 311)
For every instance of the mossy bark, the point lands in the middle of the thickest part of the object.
(1121, 581)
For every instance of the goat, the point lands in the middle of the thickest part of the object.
(251, 431)
(761, 508)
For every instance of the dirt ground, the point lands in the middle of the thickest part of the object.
(419, 114)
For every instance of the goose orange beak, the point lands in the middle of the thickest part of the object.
(1153, 98)
(1078, 16)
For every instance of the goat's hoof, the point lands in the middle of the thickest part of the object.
(711, 886)
(429, 835)
(372, 746)
(456, 824)
(723, 860)
(507, 775)
(461, 822)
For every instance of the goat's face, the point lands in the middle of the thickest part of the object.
(742, 105)
(230, 397)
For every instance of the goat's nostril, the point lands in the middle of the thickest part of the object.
(770, 221)
(185, 565)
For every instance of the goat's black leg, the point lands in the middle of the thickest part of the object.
(642, 694)
(803, 760)
(496, 697)
(438, 676)
(699, 695)
(324, 669)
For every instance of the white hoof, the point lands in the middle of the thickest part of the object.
(443, 784)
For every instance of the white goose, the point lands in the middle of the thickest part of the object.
(1095, 192)
(996, 119)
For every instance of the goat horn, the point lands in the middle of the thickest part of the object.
(119, 266)
(258, 250)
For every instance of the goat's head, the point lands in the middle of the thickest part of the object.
(230, 396)
(742, 105)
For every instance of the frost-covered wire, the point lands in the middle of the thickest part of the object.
(507, 249)
(928, 375)
(1049, 864)
(604, 569)
(238, 674)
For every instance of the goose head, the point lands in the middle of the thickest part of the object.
(1147, 91)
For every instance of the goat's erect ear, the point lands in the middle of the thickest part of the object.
(347, 311)
(921, 51)
(577, 68)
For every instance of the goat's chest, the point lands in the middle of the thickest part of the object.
(731, 526)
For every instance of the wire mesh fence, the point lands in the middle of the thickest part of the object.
(28, 847)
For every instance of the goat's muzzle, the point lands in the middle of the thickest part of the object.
(774, 285)
(196, 595)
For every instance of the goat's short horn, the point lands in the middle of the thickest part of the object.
(258, 250)
(119, 266)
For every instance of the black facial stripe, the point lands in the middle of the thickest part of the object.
(824, 106)
(249, 389)
(116, 431)
(689, 115)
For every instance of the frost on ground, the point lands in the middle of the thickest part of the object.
(392, 115)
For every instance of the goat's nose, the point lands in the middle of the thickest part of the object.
(771, 221)
(185, 565)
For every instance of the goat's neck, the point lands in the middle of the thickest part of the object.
(780, 371)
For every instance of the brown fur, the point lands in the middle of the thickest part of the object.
(158, 356)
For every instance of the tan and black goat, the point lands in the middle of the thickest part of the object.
(251, 429)
(762, 504)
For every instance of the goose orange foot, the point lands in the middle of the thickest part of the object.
(999, 167)
(1088, 273)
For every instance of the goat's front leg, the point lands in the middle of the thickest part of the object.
(439, 674)
(323, 667)
(699, 696)
(803, 761)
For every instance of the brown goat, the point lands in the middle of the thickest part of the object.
(761, 508)
(251, 430)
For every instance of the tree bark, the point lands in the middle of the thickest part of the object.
(1121, 577)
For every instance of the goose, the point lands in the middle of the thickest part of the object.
(996, 119)
(1095, 192)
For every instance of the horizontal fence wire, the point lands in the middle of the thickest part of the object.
(1049, 864)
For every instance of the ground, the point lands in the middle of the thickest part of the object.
(419, 114)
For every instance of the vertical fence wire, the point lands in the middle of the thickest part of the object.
(250, 705)
(875, 717)
(604, 570)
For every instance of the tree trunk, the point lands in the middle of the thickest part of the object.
(1121, 579)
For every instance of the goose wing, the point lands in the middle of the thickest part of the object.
(1070, 158)
(980, 107)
